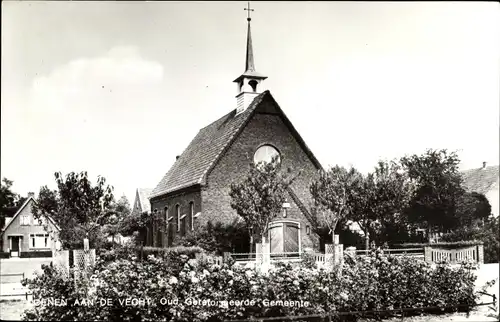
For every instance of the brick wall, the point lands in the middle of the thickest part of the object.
(183, 199)
(263, 128)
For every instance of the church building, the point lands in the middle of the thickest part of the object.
(196, 188)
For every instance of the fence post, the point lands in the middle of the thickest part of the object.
(329, 256)
(226, 256)
(428, 254)
(480, 254)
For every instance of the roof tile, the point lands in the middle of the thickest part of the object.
(204, 150)
(481, 180)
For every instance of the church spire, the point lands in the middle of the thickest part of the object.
(249, 66)
(249, 82)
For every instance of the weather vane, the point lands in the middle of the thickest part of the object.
(248, 9)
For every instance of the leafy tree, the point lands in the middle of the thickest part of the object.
(363, 206)
(334, 192)
(438, 188)
(472, 208)
(9, 200)
(260, 196)
(121, 210)
(392, 194)
(78, 207)
(136, 225)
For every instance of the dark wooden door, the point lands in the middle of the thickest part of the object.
(291, 232)
(15, 243)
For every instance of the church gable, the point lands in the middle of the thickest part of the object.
(203, 151)
(267, 126)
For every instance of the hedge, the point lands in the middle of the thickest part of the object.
(4, 254)
(376, 282)
(43, 253)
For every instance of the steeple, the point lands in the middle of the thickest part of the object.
(248, 82)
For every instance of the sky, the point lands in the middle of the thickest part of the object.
(118, 89)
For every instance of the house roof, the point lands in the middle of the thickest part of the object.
(481, 180)
(192, 167)
(144, 194)
(30, 198)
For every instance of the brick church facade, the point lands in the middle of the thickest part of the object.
(196, 188)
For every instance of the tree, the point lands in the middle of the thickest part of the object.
(392, 194)
(79, 208)
(438, 189)
(472, 209)
(121, 210)
(260, 196)
(334, 192)
(9, 200)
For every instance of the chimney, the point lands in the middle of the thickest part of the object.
(177, 157)
(484, 164)
(31, 194)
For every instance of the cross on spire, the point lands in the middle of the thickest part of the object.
(248, 9)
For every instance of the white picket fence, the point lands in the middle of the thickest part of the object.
(436, 254)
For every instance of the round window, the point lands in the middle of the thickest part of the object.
(265, 154)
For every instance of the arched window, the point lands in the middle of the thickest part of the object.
(178, 214)
(155, 228)
(266, 154)
(253, 84)
(191, 214)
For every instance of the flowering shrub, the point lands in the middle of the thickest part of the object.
(374, 282)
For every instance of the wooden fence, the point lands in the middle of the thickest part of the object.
(474, 253)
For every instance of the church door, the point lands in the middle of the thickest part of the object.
(284, 237)
(291, 239)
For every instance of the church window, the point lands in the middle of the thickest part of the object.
(191, 214)
(178, 214)
(266, 154)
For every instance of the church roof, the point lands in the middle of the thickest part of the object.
(192, 167)
(144, 194)
(481, 180)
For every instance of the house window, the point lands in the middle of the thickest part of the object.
(178, 214)
(39, 241)
(191, 213)
(25, 220)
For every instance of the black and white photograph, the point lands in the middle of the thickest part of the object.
(204, 161)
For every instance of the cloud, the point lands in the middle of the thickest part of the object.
(85, 80)
(83, 115)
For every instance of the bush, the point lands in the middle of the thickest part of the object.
(488, 234)
(44, 253)
(218, 238)
(375, 282)
(4, 254)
